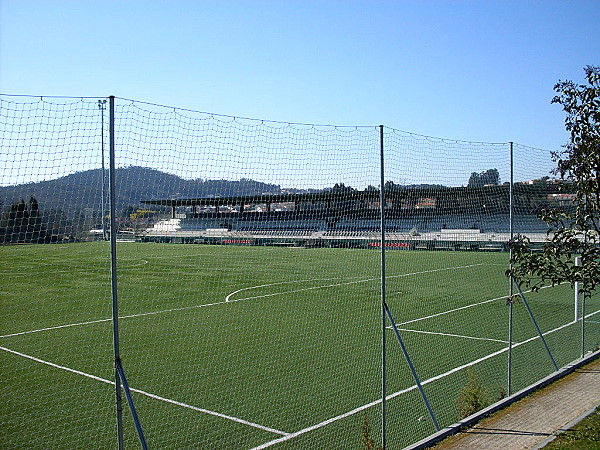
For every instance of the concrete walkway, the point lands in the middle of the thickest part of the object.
(532, 422)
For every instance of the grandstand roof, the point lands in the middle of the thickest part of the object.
(398, 193)
(264, 198)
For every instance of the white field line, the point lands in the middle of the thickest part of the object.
(151, 313)
(453, 335)
(590, 315)
(148, 394)
(404, 391)
(364, 280)
(127, 266)
(228, 298)
(55, 328)
(463, 307)
(122, 265)
(287, 436)
(458, 309)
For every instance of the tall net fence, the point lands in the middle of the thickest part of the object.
(265, 328)
(55, 296)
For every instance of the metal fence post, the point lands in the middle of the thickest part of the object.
(577, 263)
(383, 293)
(113, 269)
(387, 314)
(120, 380)
(510, 301)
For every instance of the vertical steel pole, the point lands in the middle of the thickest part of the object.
(583, 325)
(585, 283)
(113, 267)
(577, 263)
(583, 297)
(510, 281)
(383, 294)
(385, 313)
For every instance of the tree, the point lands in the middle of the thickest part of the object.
(341, 187)
(390, 186)
(490, 176)
(572, 231)
(33, 207)
(22, 223)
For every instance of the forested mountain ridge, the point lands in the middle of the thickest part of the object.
(134, 184)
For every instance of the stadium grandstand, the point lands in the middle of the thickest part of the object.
(425, 217)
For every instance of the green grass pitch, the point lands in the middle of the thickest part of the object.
(242, 347)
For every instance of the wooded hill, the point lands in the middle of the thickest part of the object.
(73, 193)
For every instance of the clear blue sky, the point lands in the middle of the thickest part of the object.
(469, 70)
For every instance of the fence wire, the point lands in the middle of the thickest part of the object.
(265, 325)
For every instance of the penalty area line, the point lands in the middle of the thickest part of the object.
(148, 394)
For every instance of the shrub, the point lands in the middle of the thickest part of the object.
(473, 397)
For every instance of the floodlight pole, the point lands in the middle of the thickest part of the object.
(102, 107)
(383, 292)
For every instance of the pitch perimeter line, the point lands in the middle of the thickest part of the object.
(148, 394)
(408, 389)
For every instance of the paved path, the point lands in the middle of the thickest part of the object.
(529, 423)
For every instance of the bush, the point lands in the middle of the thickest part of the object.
(473, 397)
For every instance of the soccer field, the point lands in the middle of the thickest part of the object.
(245, 347)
